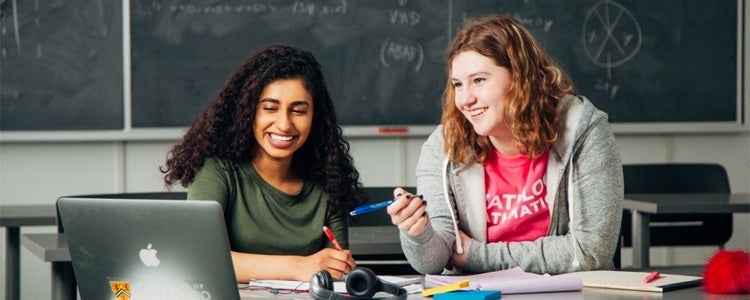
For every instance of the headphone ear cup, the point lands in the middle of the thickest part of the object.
(321, 285)
(325, 280)
(362, 282)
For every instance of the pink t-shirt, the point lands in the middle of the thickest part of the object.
(515, 189)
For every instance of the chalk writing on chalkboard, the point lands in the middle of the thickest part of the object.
(382, 59)
(610, 43)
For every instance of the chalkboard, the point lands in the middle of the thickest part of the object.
(642, 61)
(61, 65)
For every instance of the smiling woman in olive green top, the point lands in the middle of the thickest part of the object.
(268, 149)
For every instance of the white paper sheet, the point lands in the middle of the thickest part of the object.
(512, 281)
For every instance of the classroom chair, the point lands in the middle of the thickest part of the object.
(675, 178)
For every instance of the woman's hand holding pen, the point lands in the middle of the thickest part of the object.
(407, 212)
(338, 263)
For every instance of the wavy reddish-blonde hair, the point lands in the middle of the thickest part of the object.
(537, 85)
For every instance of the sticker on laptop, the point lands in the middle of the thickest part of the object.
(121, 289)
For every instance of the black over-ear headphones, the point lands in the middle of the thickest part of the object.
(361, 283)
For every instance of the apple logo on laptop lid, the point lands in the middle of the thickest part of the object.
(148, 256)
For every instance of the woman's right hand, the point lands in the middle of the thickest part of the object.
(407, 212)
(337, 263)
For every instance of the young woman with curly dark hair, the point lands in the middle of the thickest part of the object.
(268, 149)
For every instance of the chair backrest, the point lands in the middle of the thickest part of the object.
(144, 195)
(677, 178)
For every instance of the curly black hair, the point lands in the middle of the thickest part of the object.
(224, 130)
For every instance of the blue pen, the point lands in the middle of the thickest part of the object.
(373, 207)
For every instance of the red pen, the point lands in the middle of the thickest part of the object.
(651, 277)
(332, 238)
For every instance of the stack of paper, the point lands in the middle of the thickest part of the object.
(512, 281)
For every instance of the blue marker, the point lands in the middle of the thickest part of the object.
(373, 207)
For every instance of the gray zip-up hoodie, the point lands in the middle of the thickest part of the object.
(585, 192)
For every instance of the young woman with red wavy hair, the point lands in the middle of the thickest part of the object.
(522, 172)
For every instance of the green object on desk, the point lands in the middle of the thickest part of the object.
(464, 294)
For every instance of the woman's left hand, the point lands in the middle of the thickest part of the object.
(459, 260)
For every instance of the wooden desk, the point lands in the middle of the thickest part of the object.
(13, 217)
(643, 206)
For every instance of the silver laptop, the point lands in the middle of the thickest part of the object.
(148, 249)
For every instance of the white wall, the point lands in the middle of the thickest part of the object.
(39, 172)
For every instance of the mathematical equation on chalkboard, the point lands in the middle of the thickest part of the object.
(393, 50)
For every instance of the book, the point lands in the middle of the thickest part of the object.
(628, 280)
